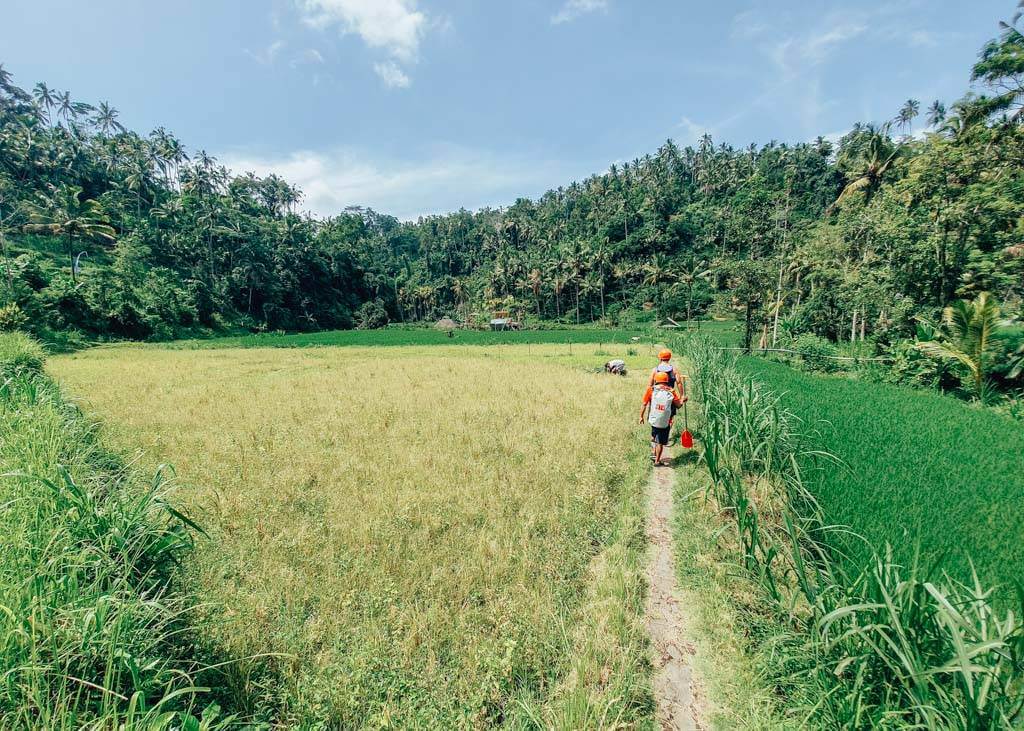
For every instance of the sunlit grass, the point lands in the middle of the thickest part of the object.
(431, 536)
(921, 471)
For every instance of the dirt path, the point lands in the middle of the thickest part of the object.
(679, 698)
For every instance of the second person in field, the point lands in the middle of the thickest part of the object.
(659, 406)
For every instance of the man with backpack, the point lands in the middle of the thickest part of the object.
(665, 365)
(659, 406)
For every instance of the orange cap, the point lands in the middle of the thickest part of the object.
(665, 355)
(661, 377)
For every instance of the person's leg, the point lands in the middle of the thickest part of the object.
(660, 440)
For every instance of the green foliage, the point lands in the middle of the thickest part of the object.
(911, 367)
(395, 336)
(923, 472)
(816, 353)
(371, 316)
(20, 355)
(870, 644)
(968, 339)
(11, 317)
(94, 633)
(845, 242)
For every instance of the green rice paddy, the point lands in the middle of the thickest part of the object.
(922, 471)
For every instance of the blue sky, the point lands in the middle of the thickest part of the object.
(423, 106)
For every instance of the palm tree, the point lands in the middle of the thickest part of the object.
(534, 279)
(5, 189)
(908, 112)
(692, 272)
(599, 265)
(936, 113)
(65, 214)
(967, 338)
(106, 119)
(558, 284)
(65, 107)
(879, 157)
(591, 286)
(658, 272)
(45, 99)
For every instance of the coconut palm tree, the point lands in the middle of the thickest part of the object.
(908, 112)
(658, 272)
(45, 99)
(878, 159)
(693, 271)
(65, 106)
(936, 114)
(66, 215)
(967, 337)
(106, 119)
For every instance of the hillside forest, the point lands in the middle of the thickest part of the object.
(109, 234)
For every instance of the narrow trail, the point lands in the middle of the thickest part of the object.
(677, 692)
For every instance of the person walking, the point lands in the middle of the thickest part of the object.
(659, 406)
(665, 365)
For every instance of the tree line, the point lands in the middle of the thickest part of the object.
(106, 232)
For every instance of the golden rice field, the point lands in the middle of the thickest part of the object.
(407, 536)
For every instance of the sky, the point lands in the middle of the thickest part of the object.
(415, 107)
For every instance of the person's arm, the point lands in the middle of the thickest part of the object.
(645, 404)
(650, 383)
(681, 382)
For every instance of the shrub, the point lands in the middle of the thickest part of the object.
(12, 318)
(371, 316)
(19, 354)
(911, 367)
(817, 353)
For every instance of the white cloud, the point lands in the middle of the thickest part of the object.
(391, 74)
(267, 55)
(309, 56)
(312, 55)
(395, 27)
(573, 9)
(449, 178)
(797, 53)
(692, 131)
(749, 24)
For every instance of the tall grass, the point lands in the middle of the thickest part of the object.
(93, 632)
(435, 537)
(889, 645)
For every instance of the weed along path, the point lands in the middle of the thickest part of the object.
(677, 692)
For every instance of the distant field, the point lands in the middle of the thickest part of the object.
(432, 537)
(921, 469)
(725, 332)
(414, 336)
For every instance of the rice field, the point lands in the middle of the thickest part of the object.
(922, 471)
(405, 536)
(422, 336)
(726, 333)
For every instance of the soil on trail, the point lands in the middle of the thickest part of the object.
(677, 693)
